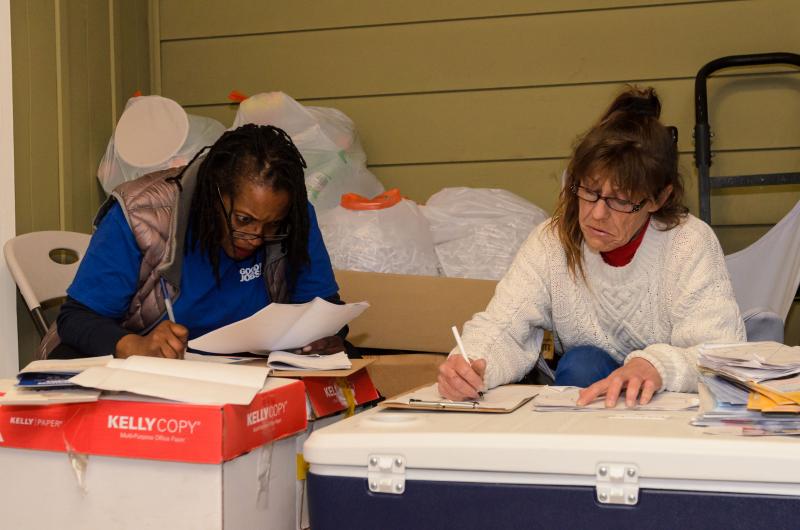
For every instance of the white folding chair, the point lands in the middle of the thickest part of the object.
(43, 265)
(765, 277)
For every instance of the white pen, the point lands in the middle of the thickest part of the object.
(167, 300)
(463, 351)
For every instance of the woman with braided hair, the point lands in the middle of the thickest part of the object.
(628, 282)
(223, 236)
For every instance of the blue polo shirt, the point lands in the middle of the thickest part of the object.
(108, 276)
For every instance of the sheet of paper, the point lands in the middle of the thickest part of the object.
(280, 327)
(281, 360)
(564, 398)
(17, 396)
(178, 380)
(505, 397)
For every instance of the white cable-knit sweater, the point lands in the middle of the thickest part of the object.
(674, 295)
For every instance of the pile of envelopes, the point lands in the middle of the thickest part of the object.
(750, 388)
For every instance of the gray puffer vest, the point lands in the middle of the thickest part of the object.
(157, 210)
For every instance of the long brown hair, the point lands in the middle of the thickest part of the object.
(637, 151)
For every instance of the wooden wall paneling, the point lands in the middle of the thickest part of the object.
(204, 18)
(530, 51)
(86, 108)
(34, 67)
(131, 48)
(531, 123)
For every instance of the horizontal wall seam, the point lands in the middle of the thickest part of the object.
(565, 157)
(768, 73)
(447, 20)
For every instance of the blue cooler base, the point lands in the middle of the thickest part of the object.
(337, 503)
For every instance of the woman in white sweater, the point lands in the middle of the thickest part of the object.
(628, 282)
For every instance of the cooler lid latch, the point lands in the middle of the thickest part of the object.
(617, 483)
(386, 474)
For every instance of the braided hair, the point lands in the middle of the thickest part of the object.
(266, 156)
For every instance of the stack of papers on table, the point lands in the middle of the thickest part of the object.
(47, 382)
(55, 373)
(750, 389)
(564, 398)
(191, 382)
(282, 360)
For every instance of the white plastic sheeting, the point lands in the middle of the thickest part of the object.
(153, 133)
(766, 274)
(477, 231)
(396, 239)
(326, 138)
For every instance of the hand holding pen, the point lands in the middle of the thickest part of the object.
(459, 377)
(168, 339)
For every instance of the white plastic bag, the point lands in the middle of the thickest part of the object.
(384, 234)
(153, 133)
(477, 232)
(326, 138)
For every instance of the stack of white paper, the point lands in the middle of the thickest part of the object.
(750, 361)
(47, 382)
(282, 360)
(18, 396)
(280, 327)
(749, 389)
(203, 383)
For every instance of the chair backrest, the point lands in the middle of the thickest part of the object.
(43, 265)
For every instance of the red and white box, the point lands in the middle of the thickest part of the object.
(129, 462)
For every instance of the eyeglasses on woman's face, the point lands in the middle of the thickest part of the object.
(245, 228)
(615, 203)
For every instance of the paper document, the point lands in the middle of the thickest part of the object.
(564, 398)
(191, 382)
(280, 327)
(501, 399)
(281, 360)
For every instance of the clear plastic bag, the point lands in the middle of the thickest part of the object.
(153, 133)
(327, 139)
(477, 232)
(383, 234)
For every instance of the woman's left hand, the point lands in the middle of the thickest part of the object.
(635, 376)
(325, 346)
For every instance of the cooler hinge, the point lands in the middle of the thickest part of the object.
(617, 483)
(386, 474)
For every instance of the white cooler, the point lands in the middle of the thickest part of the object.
(411, 470)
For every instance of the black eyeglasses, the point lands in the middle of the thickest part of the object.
(249, 236)
(615, 203)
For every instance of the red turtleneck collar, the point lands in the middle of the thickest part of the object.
(619, 257)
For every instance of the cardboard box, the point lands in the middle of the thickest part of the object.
(399, 372)
(411, 314)
(126, 463)
(330, 392)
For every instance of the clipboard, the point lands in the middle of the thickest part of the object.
(500, 400)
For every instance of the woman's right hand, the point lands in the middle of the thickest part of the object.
(459, 380)
(167, 339)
